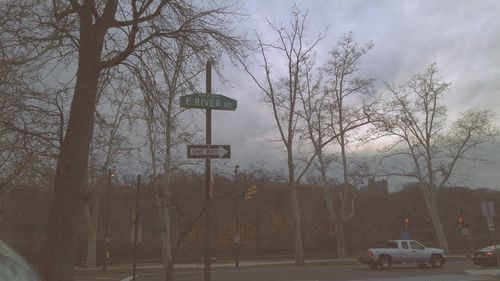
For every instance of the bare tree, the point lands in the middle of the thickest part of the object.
(331, 115)
(163, 76)
(31, 129)
(283, 97)
(417, 119)
(115, 107)
(101, 35)
(349, 110)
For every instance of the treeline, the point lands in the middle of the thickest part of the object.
(265, 225)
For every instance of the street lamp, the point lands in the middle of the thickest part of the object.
(236, 219)
(107, 257)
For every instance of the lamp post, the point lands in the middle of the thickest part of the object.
(107, 257)
(236, 218)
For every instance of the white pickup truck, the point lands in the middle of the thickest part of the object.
(402, 251)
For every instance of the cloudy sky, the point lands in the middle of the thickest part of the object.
(462, 37)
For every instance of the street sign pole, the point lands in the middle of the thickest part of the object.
(208, 102)
(208, 175)
(488, 210)
(106, 224)
(493, 234)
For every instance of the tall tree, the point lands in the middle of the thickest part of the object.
(101, 35)
(282, 94)
(416, 117)
(349, 110)
(115, 107)
(163, 76)
(334, 108)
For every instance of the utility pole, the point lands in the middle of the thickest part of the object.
(107, 257)
(208, 176)
(137, 216)
(236, 218)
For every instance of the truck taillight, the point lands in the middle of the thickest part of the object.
(489, 254)
(370, 253)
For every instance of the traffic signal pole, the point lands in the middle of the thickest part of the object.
(236, 219)
(107, 256)
(137, 215)
(208, 176)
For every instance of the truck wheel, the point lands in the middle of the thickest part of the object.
(373, 265)
(385, 262)
(437, 261)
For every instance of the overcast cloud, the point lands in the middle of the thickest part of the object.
(462, 37)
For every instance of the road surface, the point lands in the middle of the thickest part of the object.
(353, 272)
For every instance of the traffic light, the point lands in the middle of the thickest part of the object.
(252, 189)
(250, 192)
(407, 224)
(248, 196)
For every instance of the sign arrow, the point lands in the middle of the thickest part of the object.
(221, 151)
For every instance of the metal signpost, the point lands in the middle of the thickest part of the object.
(107, 257)
(464, 230)
(136, 218)
(208, 102)
(488, 210)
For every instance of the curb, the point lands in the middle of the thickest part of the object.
(223, 265)
(484, 272)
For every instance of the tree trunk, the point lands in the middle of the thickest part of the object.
(295, 208)
(67, 204)
(91, 250)
(436, 221)
(340, 235)
(68, 196)
(334, 216)
(297, 226)
(169, 273)
(166, 237)
(91, 245)
(431, 203)
(90, 212)
(336, 221)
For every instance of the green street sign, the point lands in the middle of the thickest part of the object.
(217, 102)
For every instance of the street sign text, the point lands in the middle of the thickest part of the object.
(216, 102)
(209, 151)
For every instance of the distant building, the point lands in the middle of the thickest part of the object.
(377, 186)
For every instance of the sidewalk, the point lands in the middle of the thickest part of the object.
(484, 272)
(221, 264)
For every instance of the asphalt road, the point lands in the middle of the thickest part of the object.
(451, 271)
